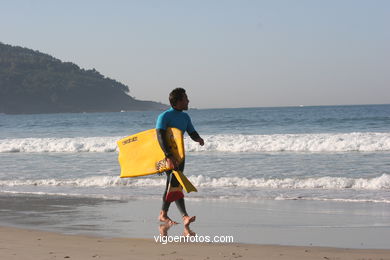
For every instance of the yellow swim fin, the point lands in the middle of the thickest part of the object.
(184, 182)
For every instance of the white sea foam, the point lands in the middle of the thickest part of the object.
(364, 142)
(72, 145)
(94, 181)
(347, 142)
(377, 183)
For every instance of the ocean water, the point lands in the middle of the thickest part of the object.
(329, 153)
(288, 175)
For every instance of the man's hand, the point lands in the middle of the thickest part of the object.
(172, 163)
(195, 137)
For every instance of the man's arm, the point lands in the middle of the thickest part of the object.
(161, 136)
(196, 137)
(192, 132)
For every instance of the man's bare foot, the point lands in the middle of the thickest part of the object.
(164, 218)
(187, 220)
(167, 220)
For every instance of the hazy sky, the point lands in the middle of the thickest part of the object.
(225, 53)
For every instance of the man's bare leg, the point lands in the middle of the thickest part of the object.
(164, 218)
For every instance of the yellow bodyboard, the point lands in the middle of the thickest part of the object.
(141, 155)
(184, 182)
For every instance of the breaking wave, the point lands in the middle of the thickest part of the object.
(327, 142)
(66, 145)
(377, 183)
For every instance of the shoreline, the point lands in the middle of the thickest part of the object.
(290, 223)
(18, 243)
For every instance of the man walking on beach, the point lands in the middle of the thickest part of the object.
(175, 117)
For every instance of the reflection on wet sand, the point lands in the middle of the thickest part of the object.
(163, 229)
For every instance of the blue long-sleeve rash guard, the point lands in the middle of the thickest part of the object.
(175, 118)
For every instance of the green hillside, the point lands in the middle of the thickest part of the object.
(34, 82)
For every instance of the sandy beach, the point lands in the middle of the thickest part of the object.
(27, 244)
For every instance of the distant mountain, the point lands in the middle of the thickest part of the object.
(33, 82)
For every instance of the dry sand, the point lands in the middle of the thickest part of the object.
(16, 243)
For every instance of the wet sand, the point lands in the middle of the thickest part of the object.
(27, 244)
(16, 243)
(291, 223)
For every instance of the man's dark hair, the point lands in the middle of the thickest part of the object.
(176, 95)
